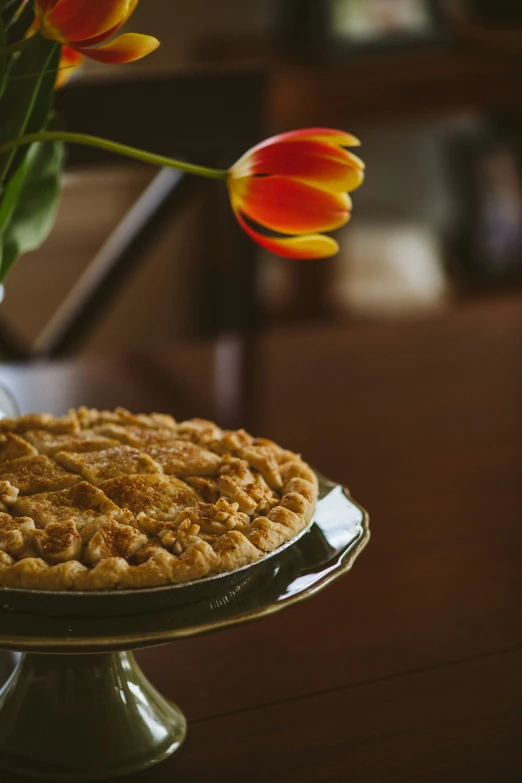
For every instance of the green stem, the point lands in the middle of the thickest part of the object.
(19, 46)
(113, 146)
(8, 78)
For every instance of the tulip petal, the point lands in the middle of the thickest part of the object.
(328, 135)
(70, 62)
(324, 165)
(304, 247)
(96, 39)
(289, 206)
(124, 49)
(78, 20)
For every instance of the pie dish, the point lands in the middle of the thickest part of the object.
(109, 500)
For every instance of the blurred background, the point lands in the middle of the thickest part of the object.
(395, 367)
(432, 89)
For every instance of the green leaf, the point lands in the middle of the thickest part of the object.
(19, 23)
(7, 5)
(29, 203)
(25, 104)
(9, 199)
(11, 9)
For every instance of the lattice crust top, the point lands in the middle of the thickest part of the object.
(99, 500)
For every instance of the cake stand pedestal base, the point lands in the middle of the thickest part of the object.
(74, 709)
(84, 717)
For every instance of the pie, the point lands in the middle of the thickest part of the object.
(105, 500)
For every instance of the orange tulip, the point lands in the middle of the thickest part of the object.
(70, 60)
(296, 184)
(84, 24)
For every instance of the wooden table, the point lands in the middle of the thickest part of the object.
(410, 668)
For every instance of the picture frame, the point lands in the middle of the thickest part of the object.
(333, 31)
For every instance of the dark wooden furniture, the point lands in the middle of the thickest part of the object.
(208, 117)
(410, 668)
(407, 86)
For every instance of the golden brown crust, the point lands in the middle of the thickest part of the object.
(16, 535)
(6, 559)
(113, 540)
(180, 458)
(266, 534)
(8, 495)
(36, 474)
(41, 421)
(82, 503)
(206, 487)
(50, 442)
(161, 497)
(98, 466)
(101, 500)
(58, 542)
(134, 435)
(91, 417)
(14, 447)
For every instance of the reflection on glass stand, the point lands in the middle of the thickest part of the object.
(8, 407)
(8, 404)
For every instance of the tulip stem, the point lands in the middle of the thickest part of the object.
(113, 146)
(19, 46)
(8, 78)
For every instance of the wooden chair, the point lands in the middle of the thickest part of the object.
(207, 117)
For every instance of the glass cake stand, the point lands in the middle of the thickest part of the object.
(78, 678)
(8, 404)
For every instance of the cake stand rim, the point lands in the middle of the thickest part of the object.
(98, 644)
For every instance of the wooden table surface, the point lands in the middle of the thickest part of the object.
(409, 668)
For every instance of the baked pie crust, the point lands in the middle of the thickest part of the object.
(99, 500)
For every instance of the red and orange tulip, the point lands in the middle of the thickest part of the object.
(83, 25)
(296, 184)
